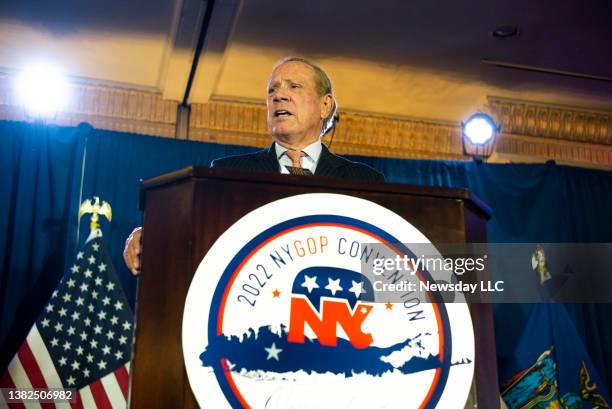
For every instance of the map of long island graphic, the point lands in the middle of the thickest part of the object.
(269, 351)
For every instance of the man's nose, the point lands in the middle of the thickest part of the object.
(280, 95)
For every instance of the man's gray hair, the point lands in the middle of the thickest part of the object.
(323, 85)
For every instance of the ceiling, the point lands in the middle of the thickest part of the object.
(405, 58)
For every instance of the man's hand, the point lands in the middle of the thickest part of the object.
(131, 252)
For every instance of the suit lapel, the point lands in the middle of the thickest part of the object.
(267, 160)
(328, 163)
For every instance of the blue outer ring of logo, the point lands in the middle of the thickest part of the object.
(323, 218)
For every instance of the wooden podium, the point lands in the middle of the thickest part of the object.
(187, 210)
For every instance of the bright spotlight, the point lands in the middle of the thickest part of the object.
(479, 129)
(479, 133)
(43, 90)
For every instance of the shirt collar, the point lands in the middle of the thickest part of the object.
(313, 151)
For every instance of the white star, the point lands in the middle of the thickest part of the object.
(83, 336)
(87, 322)
(84, 287)
(94, 294)
(122, 339)
(62, 312)
(102, 365)
(54, 342)
(89, 358)
(310, 283)
(75, 316)
(106, 350)
(70, 283)
(102, 315)
(80, 255)
(118, 354)
(110, 286)
(357, 288)
(49, 308)
(91, 259)
(75, 269)
(118, 305)
(127, 326)
(66, 346)
(273, 352)
(71, 381)
(106, 300)
(54, 294)
(88, 273)
(79, 301)
(86, 373)
(98, 329)
(75, 365)
(62, 361)
(102, 267)
(98, 281)
(71, 330)
(114, 320)
(90, 308)
(95, 246)
(79, 350)
(93, 343)
(333, 286)
(58, 327)
(45, 323)
(110, 335)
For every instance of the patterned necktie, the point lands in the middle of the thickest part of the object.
(295, 157)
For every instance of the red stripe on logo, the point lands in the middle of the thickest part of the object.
(99, 394)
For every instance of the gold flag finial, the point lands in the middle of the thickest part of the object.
(93, 206)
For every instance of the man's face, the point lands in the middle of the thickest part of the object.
(295, 108)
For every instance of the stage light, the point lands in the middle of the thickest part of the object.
(43, 90)
(478, 135)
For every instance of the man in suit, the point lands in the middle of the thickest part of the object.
(301, 108)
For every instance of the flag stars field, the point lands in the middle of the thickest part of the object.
(82, 342)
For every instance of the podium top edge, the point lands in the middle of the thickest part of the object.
(194, 172)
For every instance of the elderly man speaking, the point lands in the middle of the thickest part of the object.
(301, 108)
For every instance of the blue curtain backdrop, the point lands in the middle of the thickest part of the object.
(45, 170)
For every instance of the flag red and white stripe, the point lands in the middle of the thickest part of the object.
(82, 339)
(32, 367)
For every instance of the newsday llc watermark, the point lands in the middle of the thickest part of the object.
(412, 265)
(488, 272)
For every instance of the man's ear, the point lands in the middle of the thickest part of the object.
(327, 105)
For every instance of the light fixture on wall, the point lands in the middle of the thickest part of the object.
(43, 90)
(478, 135)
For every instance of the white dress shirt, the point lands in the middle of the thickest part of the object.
(309, 160)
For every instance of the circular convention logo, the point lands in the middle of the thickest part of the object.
(280, 315)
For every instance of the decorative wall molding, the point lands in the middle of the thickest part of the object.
(357, 134)
(529, 130)
(550, 121)
(104, 107)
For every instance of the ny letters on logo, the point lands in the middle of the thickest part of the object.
(332, 313)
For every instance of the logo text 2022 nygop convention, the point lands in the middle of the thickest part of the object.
(279, 316)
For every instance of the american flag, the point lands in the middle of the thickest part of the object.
(81, 340)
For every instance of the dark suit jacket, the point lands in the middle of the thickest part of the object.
(329, 165)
